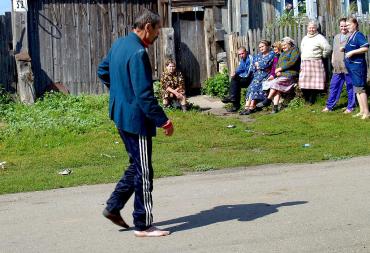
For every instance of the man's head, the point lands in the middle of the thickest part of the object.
(242, 52)
(147, 26)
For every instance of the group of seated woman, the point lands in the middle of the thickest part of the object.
(274, 73)
(278, 70)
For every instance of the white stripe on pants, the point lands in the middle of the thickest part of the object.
(147, 196)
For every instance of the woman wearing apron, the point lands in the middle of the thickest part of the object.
(355, 62)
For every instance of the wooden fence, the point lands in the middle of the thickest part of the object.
(276, 32)
(68, 39)
(7, 64)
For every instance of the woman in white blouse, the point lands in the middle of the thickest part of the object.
(314, 47)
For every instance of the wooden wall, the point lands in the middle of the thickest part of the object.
(190, 47)
(261, 12)
(7, 64)
(68, 39)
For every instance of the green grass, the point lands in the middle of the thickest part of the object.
(41, 140)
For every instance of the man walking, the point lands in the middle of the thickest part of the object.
(126, 70)
(240, 79)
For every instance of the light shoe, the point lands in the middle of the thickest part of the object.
(151, 232)
(358, 115)
(365, 116)
(326, 109)
(347, 111)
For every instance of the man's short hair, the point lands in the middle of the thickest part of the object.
(147, 16)
(242, 48)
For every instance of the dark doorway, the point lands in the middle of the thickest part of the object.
(190, 48)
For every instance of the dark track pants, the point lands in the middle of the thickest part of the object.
(137, 178)
(237, 83)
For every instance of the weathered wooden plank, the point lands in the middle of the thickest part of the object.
(210, 46)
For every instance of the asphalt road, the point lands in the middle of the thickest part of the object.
(321, 207)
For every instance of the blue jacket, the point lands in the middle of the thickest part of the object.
(245, 67)
(127, 72)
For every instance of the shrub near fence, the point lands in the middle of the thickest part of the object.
(277, 32)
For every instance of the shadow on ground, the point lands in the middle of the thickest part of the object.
(242, 212)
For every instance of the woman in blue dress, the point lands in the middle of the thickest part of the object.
(355, 50)
(262, 63)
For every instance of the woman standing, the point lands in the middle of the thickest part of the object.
(314, 47)
(355, 61)
(340, 73)
(262, 65)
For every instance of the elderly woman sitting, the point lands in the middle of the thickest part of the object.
(173, 86)
(286, 71)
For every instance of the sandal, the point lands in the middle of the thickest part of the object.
(358, 114)
(326, 109)
(365, 116)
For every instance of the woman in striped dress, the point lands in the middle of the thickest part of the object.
(314, 47)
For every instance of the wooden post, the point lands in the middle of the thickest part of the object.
(210, 43)
(167, 47)
(25, 87)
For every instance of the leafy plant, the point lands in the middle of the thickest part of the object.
(53, 112)
(5, 100)
(157, 86)
(296, 103)
(218, 85)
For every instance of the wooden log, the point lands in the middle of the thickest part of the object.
(210, 43)
(25, 87)
(167, 46)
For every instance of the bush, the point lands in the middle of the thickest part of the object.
(5, 97)
(5, 101)
(56, 111)
(296, 103)
(217, 85)
(157, 87)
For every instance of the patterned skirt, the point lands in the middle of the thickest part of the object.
(312, 75)
(282, 84)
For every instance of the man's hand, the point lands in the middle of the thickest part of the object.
(168, 128)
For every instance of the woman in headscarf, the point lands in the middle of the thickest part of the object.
(286, 71)
(314, 47)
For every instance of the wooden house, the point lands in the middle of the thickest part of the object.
(242, 15)
(198, 36)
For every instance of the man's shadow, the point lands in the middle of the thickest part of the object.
(242, 212)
